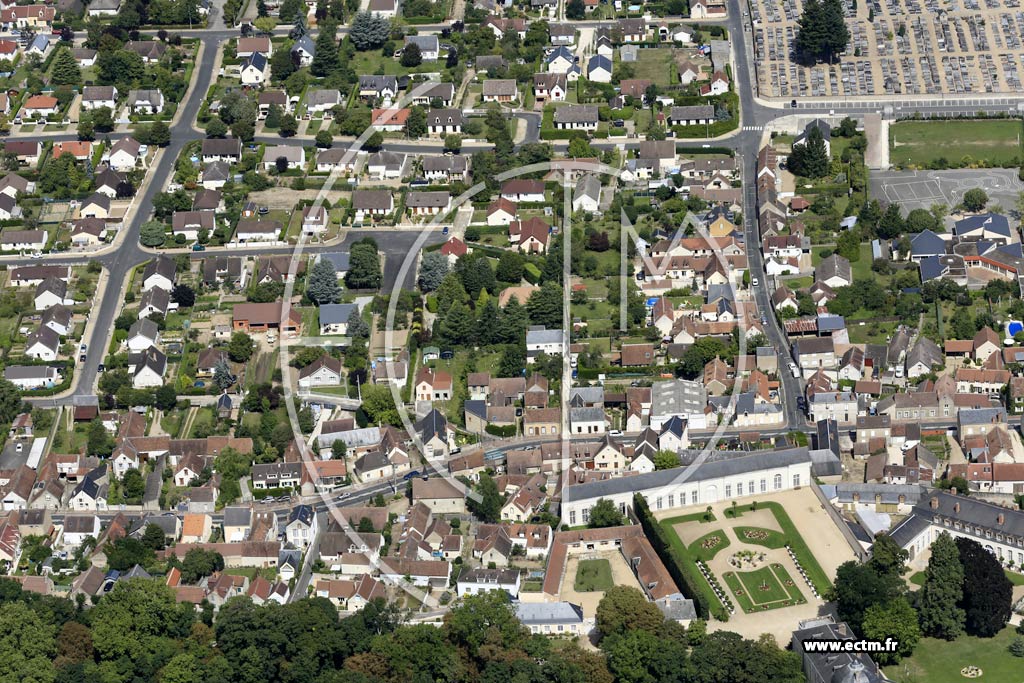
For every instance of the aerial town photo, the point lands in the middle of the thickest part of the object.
(494, 341)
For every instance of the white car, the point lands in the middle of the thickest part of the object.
(754, 282)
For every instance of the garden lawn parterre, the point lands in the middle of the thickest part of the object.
(746, 587)
(593, 575)
(709, 545)
(769, 538)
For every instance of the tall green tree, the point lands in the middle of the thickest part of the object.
(545, 306)
(975, 199)
(28, 644)
(858, 587)
(240, 347)
(369, 31)
(887, 557)
(987, 593)
(810, 159)
(938, 604)
(325, 61)
(416, 122)
(624, 609)
(822, 33)
(605, 514)
(486, 504)
(364, 266)
(894, 620)
(65, 69)
(433, 269)
(281, 65)
(323, 287)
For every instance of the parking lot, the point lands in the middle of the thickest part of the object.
(911, 47)
(922, 189)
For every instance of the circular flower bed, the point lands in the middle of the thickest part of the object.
(971, 672)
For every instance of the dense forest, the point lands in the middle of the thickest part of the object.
(138, 633)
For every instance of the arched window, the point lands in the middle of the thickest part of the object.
(778, 482)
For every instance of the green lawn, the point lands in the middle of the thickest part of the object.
(763, 589)
(753, 535)
(795, 541)
(268, 573)
(921, 142)
(593, 575)
(709, 545)
(686, 562)
(940, 661)
(654, 64)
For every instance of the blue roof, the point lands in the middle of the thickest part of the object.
(830, 323)
(599, 62)
(476, 407)
(1013, 249)
(305, 43)
(931, 268)
(560, 51)
(991, 222)
(334, 314)
(40, 42)
(338, 259)
(257, 60)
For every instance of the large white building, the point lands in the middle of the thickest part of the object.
(999, 530)
(728, 476)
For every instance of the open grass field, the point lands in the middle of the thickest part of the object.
(919, 143)
(709, 545)
(654, 64)
(940, 661)
(593, 575)
(763, 589)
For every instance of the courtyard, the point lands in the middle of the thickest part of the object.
(743, 548)
(587, 576)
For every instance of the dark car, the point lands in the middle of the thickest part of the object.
(410, 475)
(198, 247)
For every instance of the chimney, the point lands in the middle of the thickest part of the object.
(935, 503)
(956, 508)
(1000, 519)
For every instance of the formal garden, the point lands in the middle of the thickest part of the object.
(768, 587)
(761, 537)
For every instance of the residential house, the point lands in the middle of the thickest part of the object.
(147, 102)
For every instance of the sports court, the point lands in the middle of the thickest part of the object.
(921, 189)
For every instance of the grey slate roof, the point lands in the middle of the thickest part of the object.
(335, 314)
(726, 464)
(338, 259)
(538, 613)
